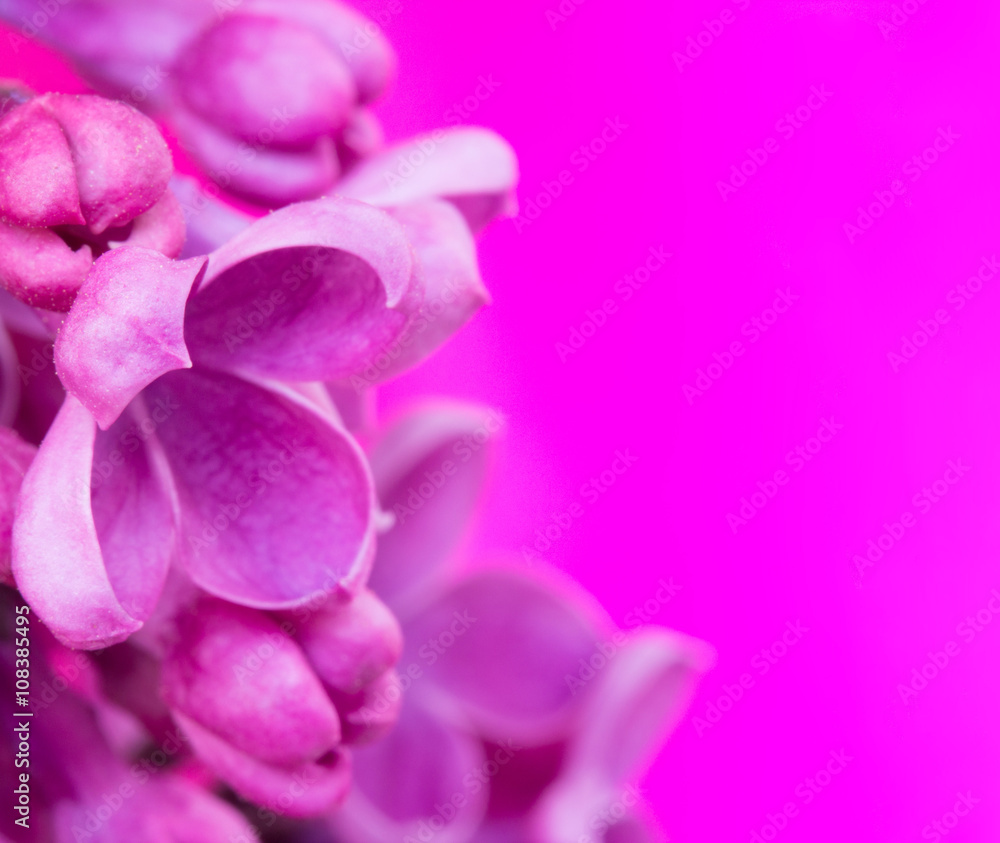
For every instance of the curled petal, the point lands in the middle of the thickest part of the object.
(37, 174)
(306, 293)
(39, 268)
(351, 644)
(447, 272)
(389, 802)
(516, 639)
(235, 672)
(429, 472)
(277, 502)
(125, 329)
(267, 176)
(161, 228)
(122, 163)
(304, 790)
(15, 458)
(266, 80)
(635, 702)
(473, 167)
(94, 531)
(357, 40)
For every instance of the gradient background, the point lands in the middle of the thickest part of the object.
(656, 185)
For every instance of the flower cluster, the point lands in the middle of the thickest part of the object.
(246, 622)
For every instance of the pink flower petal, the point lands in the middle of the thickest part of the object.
(505, 645)
(277, 502)
(266, 80)
(15, 459)
(10, 378)
(355, 38)
(39, 268)
(125, 329)
(473, 167)
(122, 163)
(37, 172)
(238, 675)
(429, 470)
(389, 802)
(94, 529)
(161, 228)
(270, 177)
(309, 292)
(308, 789)
(352, 643)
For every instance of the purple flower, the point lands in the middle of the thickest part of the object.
(187, 439)
(269, 96)
(525, 712)
(80, 175)
(80, 787)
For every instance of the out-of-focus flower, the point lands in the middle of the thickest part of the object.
(15, 458)
(79, 787)
(79, 175)
(524, 712)
(208, 454)
(270, 96)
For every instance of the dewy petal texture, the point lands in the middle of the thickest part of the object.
(306, 293)
(122, 163)
(473, 167)
(94, 531)
(277, 503)
(125, 329)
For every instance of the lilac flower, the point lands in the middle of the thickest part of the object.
(524, 713)
(80, 788)
(80, 175)
(210, 457)
(270, 96)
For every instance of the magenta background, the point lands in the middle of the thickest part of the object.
(837, 688)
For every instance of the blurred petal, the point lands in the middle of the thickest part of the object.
(473, 167)
(235, 672)
(369, 714)
(277, 502)
(351, 644)
(10, 378)
(269, 177)
(94, 530)
(266, 80)
(308, 789)
(507, 645)
(306, 293)
(210, 222)
(125, 329)
(637, 701)
(356, 39)
(37, 174)
(15, 459)
(445, 798)
(447, 271)
(161, 228)
(39, 268)
(429, 471)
